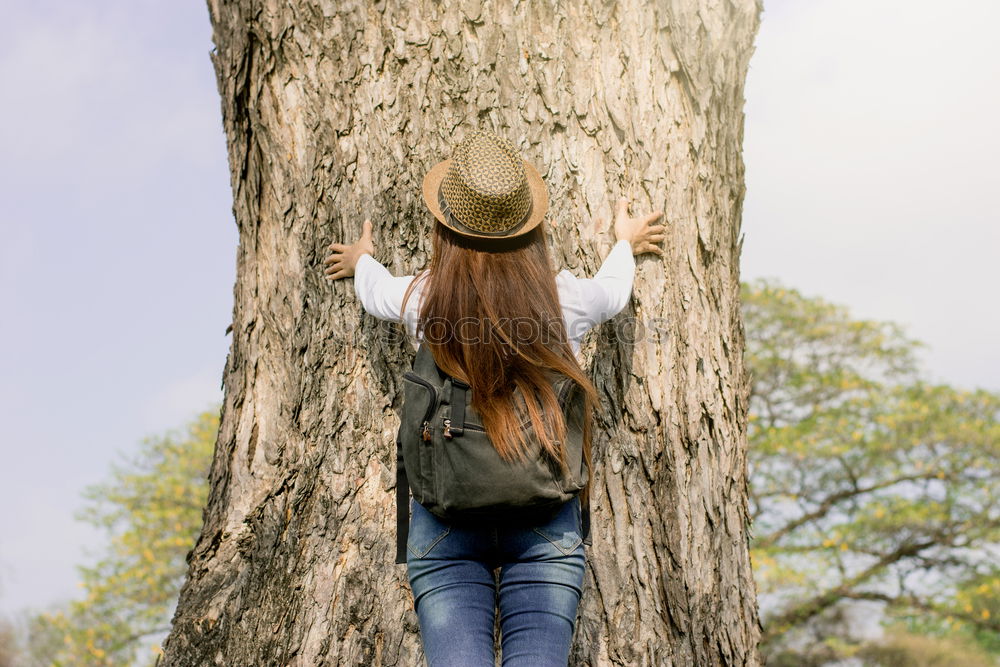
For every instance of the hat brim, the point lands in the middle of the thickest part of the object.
(539, 200)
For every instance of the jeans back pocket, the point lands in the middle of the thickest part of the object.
(564, 530)
(426, 530)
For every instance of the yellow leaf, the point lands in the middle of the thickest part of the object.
(985, 614)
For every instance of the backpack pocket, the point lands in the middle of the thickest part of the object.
(420, 401)
(473, 481)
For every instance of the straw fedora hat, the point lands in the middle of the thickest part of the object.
(485, 190)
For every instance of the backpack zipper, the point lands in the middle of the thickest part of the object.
(426, 427)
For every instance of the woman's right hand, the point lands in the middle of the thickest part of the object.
(640, 232)
(344, 256)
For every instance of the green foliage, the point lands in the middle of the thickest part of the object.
(152, 511)
(867, 483)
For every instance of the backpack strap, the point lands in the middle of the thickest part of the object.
(457, 401)
(402, 504)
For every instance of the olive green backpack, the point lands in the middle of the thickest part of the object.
(445, 458)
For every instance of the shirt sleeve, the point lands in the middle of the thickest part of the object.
(591, 301)
(380, 292)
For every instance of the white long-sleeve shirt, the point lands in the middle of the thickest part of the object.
(585, 302)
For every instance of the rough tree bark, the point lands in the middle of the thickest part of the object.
(333, 112)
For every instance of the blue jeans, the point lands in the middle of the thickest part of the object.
(451, 573)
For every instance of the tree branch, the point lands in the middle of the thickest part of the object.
(830, 502)
(811, 608)
(904, 601)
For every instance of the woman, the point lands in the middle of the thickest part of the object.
(490, 269)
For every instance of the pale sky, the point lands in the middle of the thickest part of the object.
(872, 173)
(871, 181)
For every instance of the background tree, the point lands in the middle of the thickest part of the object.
(152, 511)
(333, 112)
(9, 645)
(868, 483)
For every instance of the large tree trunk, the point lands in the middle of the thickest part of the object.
(333, 112)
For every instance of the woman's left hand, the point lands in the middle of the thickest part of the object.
(343, 259)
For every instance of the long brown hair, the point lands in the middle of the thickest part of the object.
(504, 293)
